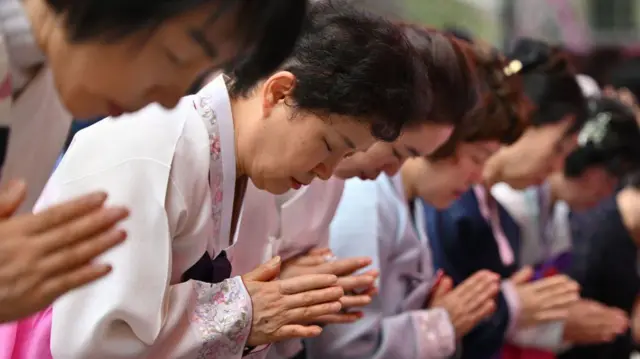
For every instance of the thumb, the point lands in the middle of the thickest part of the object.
(444, 287)
(522, 276)
(265, 272)
(11, 196)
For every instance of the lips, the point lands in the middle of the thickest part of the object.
(115, 110)
(295, 184)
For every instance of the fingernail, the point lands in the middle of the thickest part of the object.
(274, 261)
(97, 197)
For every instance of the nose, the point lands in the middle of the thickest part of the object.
(323, 171)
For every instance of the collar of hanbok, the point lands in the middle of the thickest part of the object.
(213, 104)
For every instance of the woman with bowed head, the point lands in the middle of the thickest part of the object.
(183, 173)
(476, 232)
(85, 58)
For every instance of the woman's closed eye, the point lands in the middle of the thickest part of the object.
(175, 60)
(327, 145)
(397, 154)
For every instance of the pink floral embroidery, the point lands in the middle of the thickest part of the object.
(223, 312)
(222, 318)
(205, 106)
(435, 332)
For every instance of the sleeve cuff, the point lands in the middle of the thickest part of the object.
(547, 336)
(513, 303)
(222, 316)
(436, 335)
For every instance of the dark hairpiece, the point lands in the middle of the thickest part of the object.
(610, 138)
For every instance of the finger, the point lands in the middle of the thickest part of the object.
(318, 296)
(472, 286)
(372, 292)
(352, 301)
(64, 212)
(342, 318)
(482, 296)
(444, 287)
(557, 287)
(561, 301)
(293, 331)
(82, 229)
(265, 272)
(56, 286)
(11, 196)
(320, 252)
(356, 282)
(484, 311)
(301, 314)
(311, 261)
(551, 315)
(522, 276)
(81, 253)
(627, 97)
(555, 283)
(373, 273)
(307, 282)
(343, 267)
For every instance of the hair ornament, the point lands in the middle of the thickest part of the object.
(595, 130)
(512, 68)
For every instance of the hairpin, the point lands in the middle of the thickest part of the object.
(512, 68)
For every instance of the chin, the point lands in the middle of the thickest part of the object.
(275, 187)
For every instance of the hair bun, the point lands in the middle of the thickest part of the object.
(534, 55)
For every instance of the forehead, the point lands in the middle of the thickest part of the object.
(424, 138)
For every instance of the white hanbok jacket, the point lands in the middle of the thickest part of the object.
(373, 220)
(175, 171)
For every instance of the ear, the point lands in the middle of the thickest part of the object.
(276, 89)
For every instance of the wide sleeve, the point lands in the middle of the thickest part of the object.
(139, 310)
(364, 226)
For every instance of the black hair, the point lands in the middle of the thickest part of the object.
(451, 75)
(555, 96)
(550, 83)
(352, 63)
(627, 74)
(267, 29)
(609, 139)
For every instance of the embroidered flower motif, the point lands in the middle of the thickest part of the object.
(222, 317)
(204, 104)
(215, 146)
(438, 333)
